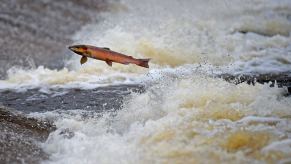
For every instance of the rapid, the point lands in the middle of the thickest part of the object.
(186, 113)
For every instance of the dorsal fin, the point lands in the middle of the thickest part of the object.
(106, 48)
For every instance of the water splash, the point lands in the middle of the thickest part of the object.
(185, 116)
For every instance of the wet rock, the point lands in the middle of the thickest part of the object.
(20, 137)
(279, 79)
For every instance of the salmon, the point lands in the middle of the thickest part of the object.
(107, 55)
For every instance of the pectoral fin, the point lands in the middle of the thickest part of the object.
(83, 59)
(109, 62)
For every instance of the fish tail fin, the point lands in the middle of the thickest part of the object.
(144, 62)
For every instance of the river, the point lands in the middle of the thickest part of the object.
(183, 109)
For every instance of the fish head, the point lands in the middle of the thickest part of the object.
(80, 49)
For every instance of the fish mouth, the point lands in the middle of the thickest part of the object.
(76, 49)
(72, 48)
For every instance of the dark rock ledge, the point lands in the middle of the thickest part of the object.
(20, 136)
(278, 79)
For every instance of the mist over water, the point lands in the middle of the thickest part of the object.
(185, 115)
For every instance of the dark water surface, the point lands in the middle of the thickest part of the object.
(100, 99)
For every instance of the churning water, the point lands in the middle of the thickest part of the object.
(186, 115)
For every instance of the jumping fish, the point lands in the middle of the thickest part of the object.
(105, 54)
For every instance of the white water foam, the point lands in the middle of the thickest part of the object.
(174, 34)
(186, 116)
(197, 119)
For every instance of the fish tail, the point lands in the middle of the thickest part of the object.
(143, 62)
